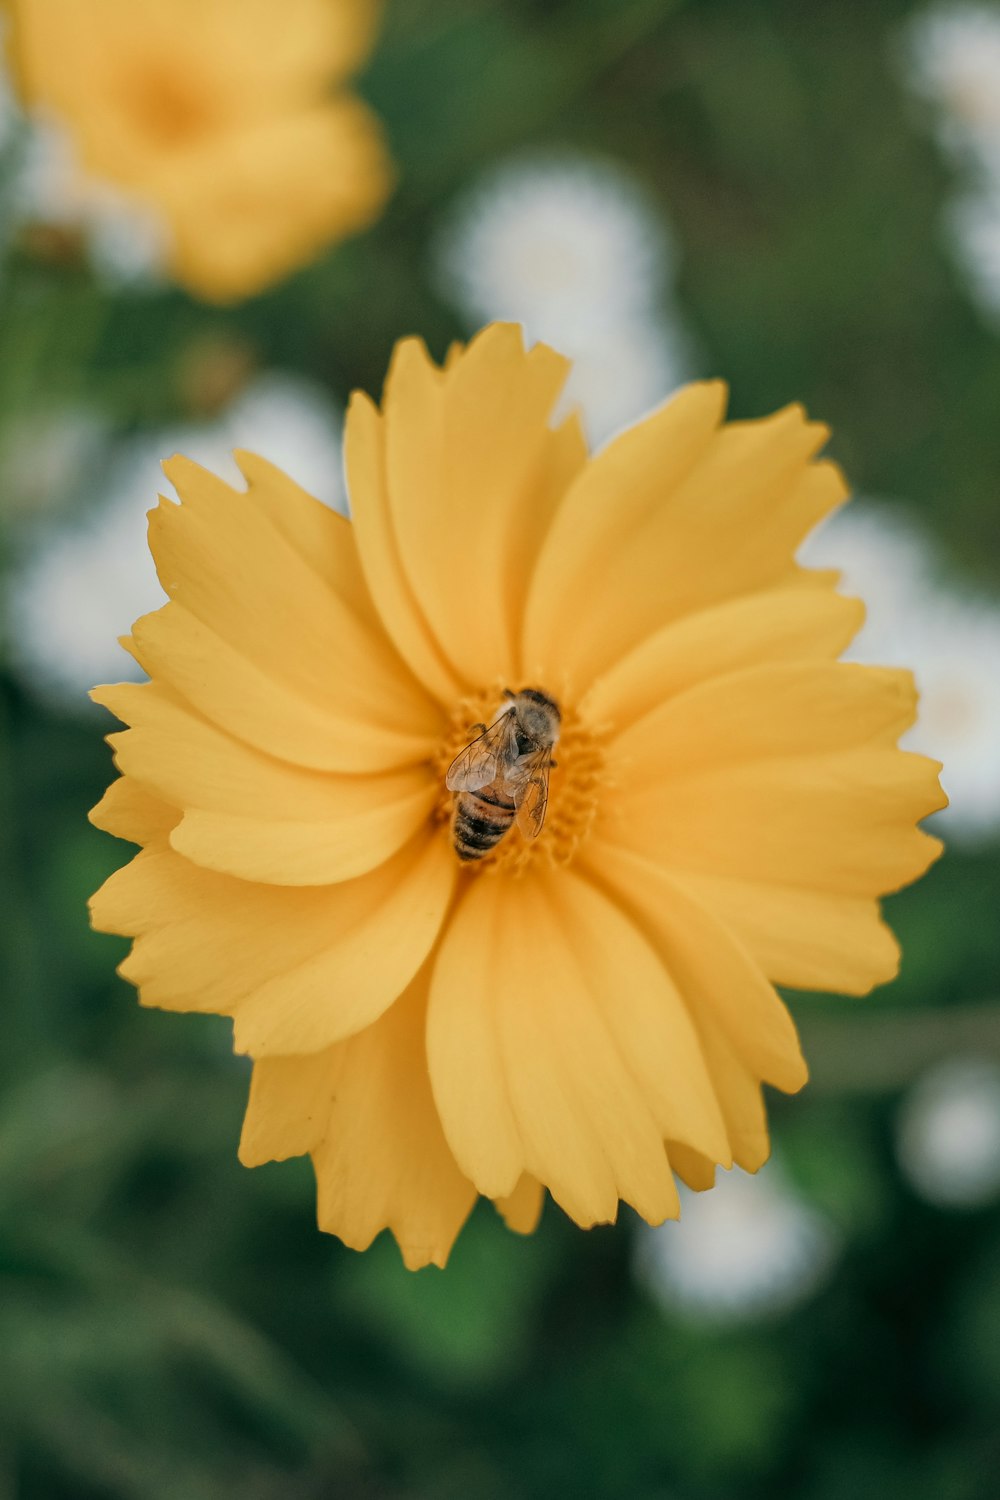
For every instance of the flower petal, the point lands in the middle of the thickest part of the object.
(302, 44)
(297, 969)
(779, 625)
(463, 1042)
(694, 1170)
(220, 556)
(812, 940)
(273, 55)
(228, 687)
(384, 1162)
(470, 446)
(289, 1105)
(365, 462)
(357, 840)
(302, 827)
(522, 1209)
(128, 811)
(781, 709)
(467, 449)
(671, 517)
(557, 1044)
(841, 823)
(715, 975)
(323, 538)
(247, 206)
(739, 1095)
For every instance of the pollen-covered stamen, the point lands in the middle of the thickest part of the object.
(575, 781)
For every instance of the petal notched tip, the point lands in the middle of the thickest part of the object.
(793, 1074)
(108, 694)
(522, 1209)
(715, 390)
(411, 360)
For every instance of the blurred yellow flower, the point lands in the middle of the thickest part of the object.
(226, 116)
(590, 1010)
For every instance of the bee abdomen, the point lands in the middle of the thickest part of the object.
(480, 822)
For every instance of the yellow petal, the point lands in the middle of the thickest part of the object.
(249, 815)
(612, 499)
(813, 940)
(673, 516)
(780, 625)
(222, 558)
(365, 462)
(522, 1209)
(452, 492)
(373, 947)
(289, 1105)
(300, 44)
(577, 1058)
(739, 1095)
(128, 811)
(463, 1043)
(643, 1011)
(695, 1171)
(248, 206)
(296, 561)
(359, 839)
(226, 685)
(323, 538)
(72, 56)
(218, 116)
(297, 969)
(712, 971)
(841, 823)
(467, 448)
(781, 709)
(384, 1162)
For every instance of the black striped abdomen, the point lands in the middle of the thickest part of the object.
(480, 821)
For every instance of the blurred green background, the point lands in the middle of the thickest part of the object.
(172, 1326)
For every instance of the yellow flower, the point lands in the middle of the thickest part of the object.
(220, 114)
(590, 1011)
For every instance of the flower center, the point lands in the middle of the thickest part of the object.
(169, 108)
(574, 786)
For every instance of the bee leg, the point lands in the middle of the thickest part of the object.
(553, 762)
(509, 693)
(478, 729)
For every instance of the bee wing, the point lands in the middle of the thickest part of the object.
(529, 786)
(482, 760)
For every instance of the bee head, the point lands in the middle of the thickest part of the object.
(535, 695)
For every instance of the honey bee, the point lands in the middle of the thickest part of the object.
(503, 774)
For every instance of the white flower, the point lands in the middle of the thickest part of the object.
(127, 242)
(48, 455)
(955, 653)
(77, 593)
(953, 52)
(748, 1249)
(952, 55)
(576, 251)
(948, 1137)
(974, 225)
(951, 642)
(886, 558)
(565, 239)
(622, 376)
(293, 423)
(87, 580)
